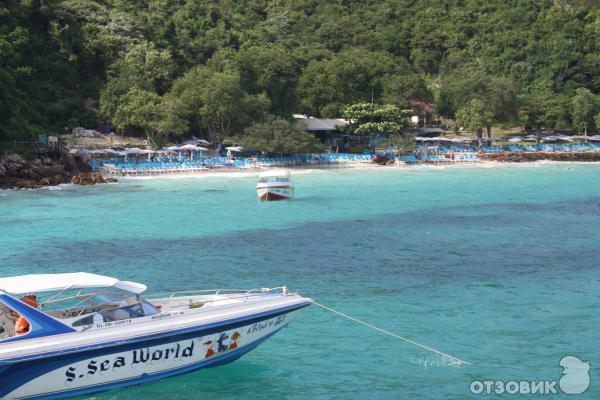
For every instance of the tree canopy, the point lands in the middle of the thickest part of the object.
(222, 66)
(372, 119)
(278, 136)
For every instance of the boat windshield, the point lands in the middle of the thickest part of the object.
(133, 307)
(269, 179)
(88, 307)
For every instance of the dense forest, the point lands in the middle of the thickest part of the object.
(215, 68)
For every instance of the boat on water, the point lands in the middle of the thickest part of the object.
(275, 185)
(77, 333)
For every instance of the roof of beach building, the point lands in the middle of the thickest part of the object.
(320, 124)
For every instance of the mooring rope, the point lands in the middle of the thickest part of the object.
(391, 334)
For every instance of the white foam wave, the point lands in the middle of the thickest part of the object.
(435, 361)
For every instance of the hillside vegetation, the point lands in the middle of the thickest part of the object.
(214, 68)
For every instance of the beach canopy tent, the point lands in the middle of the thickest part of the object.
(100, 151)
(445, 139)
(135, 150)
(464, 139)
(79, 151)
(196, 141)
(26, 284)
(433, 139)
(116, 152)
(557, 138)
(193, 147)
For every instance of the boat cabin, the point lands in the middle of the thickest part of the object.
(282, 177)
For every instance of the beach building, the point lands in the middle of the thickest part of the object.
(330, 131)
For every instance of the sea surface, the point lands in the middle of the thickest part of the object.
(496, 265)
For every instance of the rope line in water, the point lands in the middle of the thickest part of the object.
(391, 334)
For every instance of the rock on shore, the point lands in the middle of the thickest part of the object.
(16, 173)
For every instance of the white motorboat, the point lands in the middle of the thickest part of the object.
(69, 334)
(275, 185)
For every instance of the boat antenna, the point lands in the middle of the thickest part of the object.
(391, 334)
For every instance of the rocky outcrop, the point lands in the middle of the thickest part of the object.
(90, 179)
(16, 173)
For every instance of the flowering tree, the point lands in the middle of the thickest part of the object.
(372, 119)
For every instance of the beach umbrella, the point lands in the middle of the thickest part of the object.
(174, 148)
(515, 139)
(556, 138)
(134, 150)
(564, 138)
(203, 141)
(594, 138)
(530, 138)
(189, 147)
(463, 139)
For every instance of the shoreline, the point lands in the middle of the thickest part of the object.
(301, 170)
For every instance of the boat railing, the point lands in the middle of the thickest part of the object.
(231, 292)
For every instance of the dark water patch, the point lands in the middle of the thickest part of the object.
(407, 251)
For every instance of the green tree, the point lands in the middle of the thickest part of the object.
(154, 114)
(142, 65)
(216, 103)
(372, 119)
(353, 75)
(271, 70)
(584, 106)
(475, 117)
(498, 94)
(277, 136)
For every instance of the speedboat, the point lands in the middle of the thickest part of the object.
(77, 333)
(275, 185)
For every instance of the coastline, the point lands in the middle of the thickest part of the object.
(301, 170)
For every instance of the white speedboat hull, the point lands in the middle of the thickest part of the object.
(115, 365)
(271, 193)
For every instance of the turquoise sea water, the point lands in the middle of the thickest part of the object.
(499, 266)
